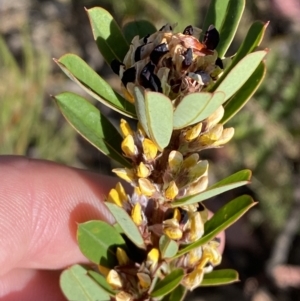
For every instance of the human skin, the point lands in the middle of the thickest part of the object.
(41, 204)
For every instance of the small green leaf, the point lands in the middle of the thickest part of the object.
(236, 180)
(92, 125)
(230, 24)
(139, 28)
(139, 101)
(240, 74)
(78, 286)
(100, 279)
(189, 108)
(239, 99)
(168, 247)
(168, 284)
(220, 277)
(107, 34)
(159, 114)
(127, 224)
(82, 74)
(215, 14)
(98, 240)
(252, 40)
(222, 219)
(177, 294)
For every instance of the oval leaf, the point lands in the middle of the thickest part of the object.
(139, 101)
(240, 73)
(177, 294)
(88, 121)
(78, 286)
(168, 247)
(127, 224)
(215, 14)
(189, 108)
(139, 28)
(97, 241)
(107, 34)
(222, 219)
(230, 24)
(81, 73)
(236, 180)
(220, 277)
(159, 114)
(168, 284)
(239, 99)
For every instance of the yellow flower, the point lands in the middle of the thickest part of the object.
(136, 214)
(128, 146)
(125, 128)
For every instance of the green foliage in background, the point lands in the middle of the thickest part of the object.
(30, 125)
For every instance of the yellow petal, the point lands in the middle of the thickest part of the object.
(193, 279)
(136, 214)
(103, 270)
(177, 215)
(114, 280)
(144, 280)
(121, 191)
(147, 188)
(125, 128)
(149, 149)
(122, 257)
(153, 256)
(128, 146)
(114, 197)
(143, 171)
(197, 187)
(123, 296)
(211, 251)
(125, 174)
(172, 191)
(212, 136)
(194, 256)
(194, 132)
(175, 160)
(213, 119)
(198, 170)
(196, 226)
(225, 137)
(127, 93)
(190, 161)
(173, 232)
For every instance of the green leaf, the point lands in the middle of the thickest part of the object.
(100, 279)
(252, 40)
(236, 180)
(159, 114)
(98, 241)
(107, 34)
(196, 107)
(88, 121)
(139, 28)
(177, 294)
(168, 247)
(215, 14)
(230, 24)
(127, 224)
(222, 219)
(220, 277)
(168, 284)
(239, 99)
(139, 101)
(189, 108)
(82, 74)
(239, 74)
(78, 286)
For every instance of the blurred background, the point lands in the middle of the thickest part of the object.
(264, 246)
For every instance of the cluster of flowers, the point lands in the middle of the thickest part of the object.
(175, 64)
